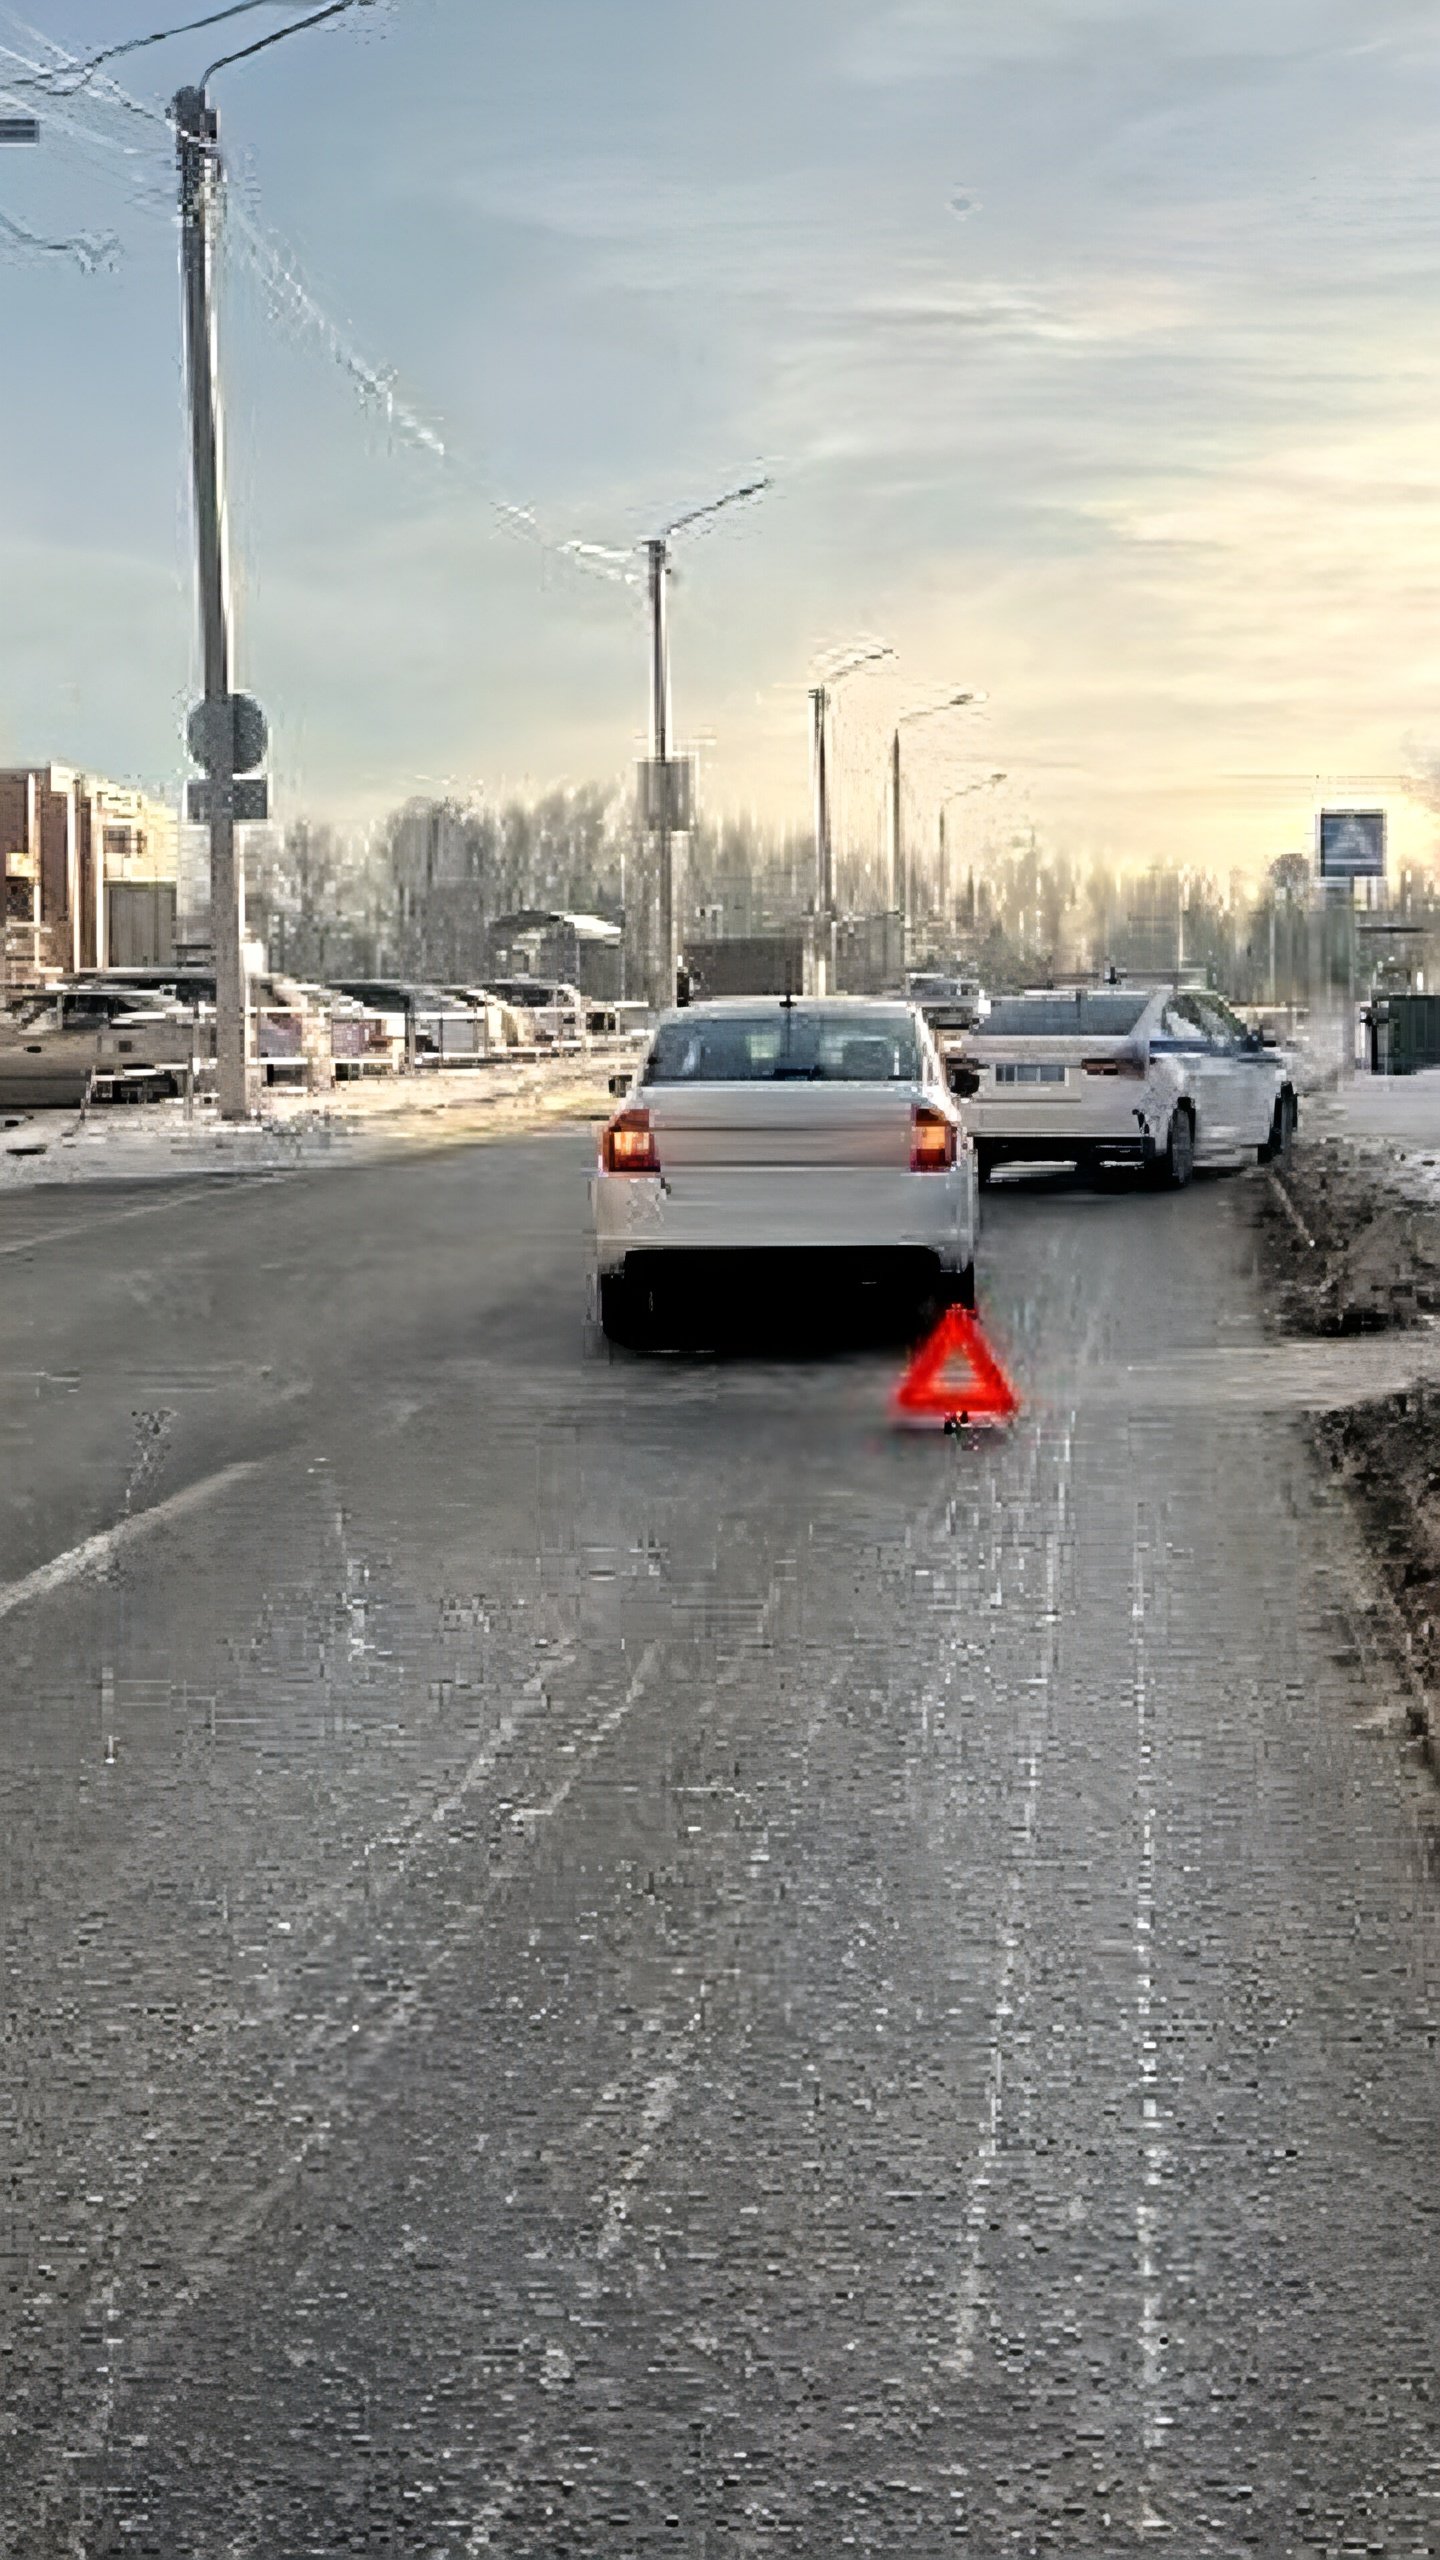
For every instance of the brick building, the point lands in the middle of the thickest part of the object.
(84, 865)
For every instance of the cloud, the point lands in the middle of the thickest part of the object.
(914, 40)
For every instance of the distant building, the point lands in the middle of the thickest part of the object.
(546, 942)
(87, 871)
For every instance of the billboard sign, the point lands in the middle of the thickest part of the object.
(1352, 844)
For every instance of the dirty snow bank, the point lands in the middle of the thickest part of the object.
(1350, 1240)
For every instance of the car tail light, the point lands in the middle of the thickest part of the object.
(628, 1145)
(932, 1139)
(1126, 1064)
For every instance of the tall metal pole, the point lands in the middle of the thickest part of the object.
(197, 134)
(1348, 1069)
(13, 128)
(824, 860)
(942, 877)
(899, 886)
(658, 556)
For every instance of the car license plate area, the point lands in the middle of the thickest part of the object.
(1026, 1075)
(804, 1149)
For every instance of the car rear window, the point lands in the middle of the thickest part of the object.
(1100, 1016)
(779, 1046)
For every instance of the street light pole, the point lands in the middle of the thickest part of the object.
(658, 560)
(899, 882)
(989, 782)
(226, 732)
(197, 138)
(899, 891)
(12, 129)
(826, 913)
(666, 820)
(824, 866)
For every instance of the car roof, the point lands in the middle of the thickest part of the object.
(1053, 995)
(721, 1008)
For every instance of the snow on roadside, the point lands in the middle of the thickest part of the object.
(1349, 1236)
(158, 1141)
(1388, 1124)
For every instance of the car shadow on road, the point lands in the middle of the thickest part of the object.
(1048, 1182)
(791, 1329)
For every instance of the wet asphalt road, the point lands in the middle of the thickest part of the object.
(609, 1956)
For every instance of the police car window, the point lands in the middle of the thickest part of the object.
(1089, 1013)
(1182, 1020)
(1226, 1027)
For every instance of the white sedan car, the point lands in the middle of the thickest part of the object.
(771, 1136)
(1162, 1078)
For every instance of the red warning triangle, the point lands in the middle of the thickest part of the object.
(955, 1377)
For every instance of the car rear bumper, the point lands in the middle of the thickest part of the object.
(783, 1209)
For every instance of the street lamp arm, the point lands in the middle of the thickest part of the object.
(851, 666)
(731, 498)
(297, 27)
(987, 782)
(932, 710)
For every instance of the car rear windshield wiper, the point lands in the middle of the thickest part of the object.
(798, 1075)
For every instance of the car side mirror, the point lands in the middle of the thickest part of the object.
(620, 1084)
(961, 1078)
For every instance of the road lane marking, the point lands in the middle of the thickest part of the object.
(958, 2359)
(970, 2291)
(528, 1817)
(96, 1555)
(655, 2113)
(1154, 2420)
(210, 1184)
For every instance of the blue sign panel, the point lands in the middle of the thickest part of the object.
(1352, 844)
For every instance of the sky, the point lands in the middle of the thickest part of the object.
(1089, 347)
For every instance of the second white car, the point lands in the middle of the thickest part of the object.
(1162, 1078)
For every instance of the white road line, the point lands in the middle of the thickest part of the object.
(528, 1817)
(204, 1187)
(96, 1555)
(970, 2290)
(1154, 2420)
(655, 2114)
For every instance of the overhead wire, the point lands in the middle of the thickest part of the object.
(105, 90)
(87, 250)
(67, 80)
(280, 275)
(90, 249)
